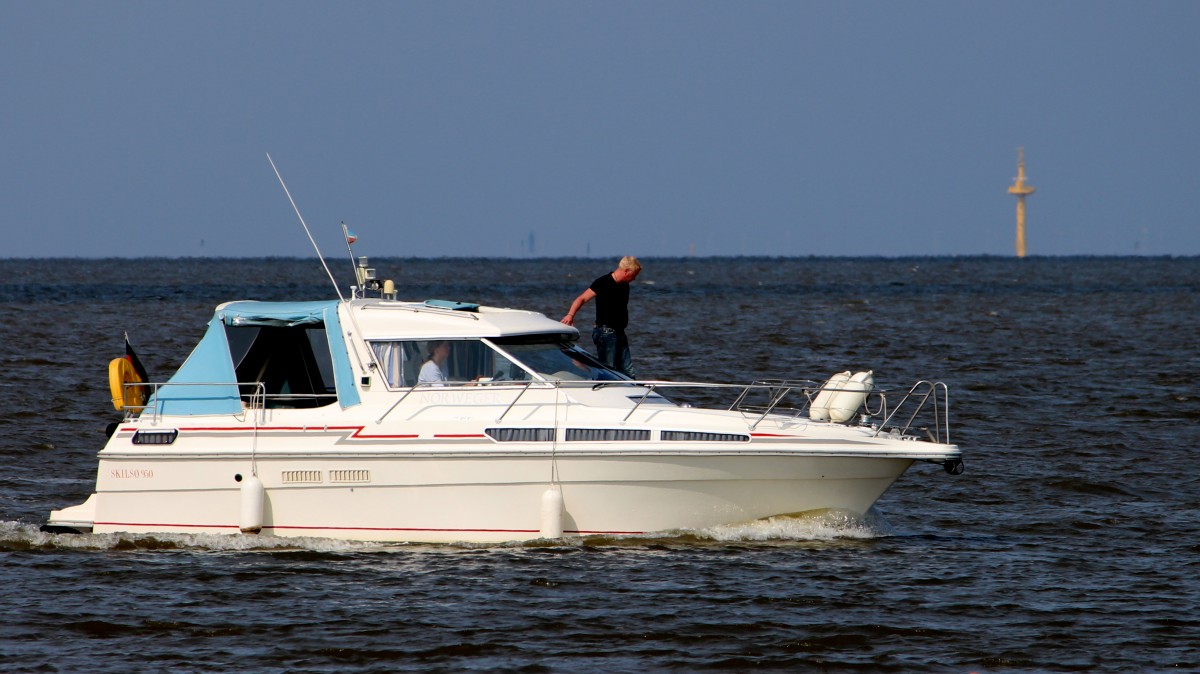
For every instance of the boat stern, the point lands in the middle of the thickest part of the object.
(74, 520)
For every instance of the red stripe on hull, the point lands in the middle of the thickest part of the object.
(325, 528)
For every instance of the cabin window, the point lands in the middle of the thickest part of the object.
(555, 357)
(470, 360)
(292, 363)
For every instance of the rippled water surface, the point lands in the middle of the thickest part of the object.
(1072, 542)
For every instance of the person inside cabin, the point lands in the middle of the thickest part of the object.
(611, 293)
(434, 370)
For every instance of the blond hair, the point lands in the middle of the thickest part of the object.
(630, 262)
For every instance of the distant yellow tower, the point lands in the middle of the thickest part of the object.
(1021, 190)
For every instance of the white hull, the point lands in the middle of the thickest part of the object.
(367, 481)
(488, 499)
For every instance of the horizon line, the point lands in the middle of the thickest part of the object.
(608, 257)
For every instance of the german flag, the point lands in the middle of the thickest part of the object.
(131, 356)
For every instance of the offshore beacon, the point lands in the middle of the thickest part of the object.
(1021, 190)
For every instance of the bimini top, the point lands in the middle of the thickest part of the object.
(206, 383)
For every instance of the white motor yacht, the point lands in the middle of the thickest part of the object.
(310, 419)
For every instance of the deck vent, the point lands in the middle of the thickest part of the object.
(696, 436)
(607, 435)
(351, 476)
(521, 434)
(155, 437)
(301, 477)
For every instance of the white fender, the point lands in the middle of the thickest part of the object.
(819, 410)
(552, 512)
(250, 520)
(844, 405)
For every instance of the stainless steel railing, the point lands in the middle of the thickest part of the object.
(925, 401)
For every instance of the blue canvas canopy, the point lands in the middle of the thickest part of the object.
(207, 383)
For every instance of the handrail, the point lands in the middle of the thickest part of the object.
(416, 308)
(513, 404)
(924, 393)
(639, 403)
(941, 416)
(807, 387)
(441, 386)
(775, 401)
(778, 390)
(257, 399)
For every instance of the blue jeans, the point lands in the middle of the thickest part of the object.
(612, 349)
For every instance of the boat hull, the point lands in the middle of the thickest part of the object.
(491, 498)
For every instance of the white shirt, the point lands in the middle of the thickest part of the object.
(432, 374)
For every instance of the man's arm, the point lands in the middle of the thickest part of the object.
(584, 297)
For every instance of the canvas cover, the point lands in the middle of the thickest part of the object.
(206, 382)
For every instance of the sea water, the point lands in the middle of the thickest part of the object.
(1070, 544)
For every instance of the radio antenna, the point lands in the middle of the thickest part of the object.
(359, 271)
(310, 236)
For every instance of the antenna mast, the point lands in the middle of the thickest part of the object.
(364, 274)
(310, 236)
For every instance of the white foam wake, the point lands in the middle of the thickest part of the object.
(822, 525)
(18, 535)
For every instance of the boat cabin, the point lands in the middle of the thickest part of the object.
(295, 354)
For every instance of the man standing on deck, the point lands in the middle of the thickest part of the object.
(611, 292)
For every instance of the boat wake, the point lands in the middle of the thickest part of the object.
(24, 536)
(823, 525)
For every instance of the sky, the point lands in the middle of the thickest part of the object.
(598, 129)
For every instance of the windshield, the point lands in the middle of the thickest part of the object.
(554, 357)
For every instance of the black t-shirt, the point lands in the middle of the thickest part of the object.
(612, 302)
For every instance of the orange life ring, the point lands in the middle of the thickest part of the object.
(120, 375)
